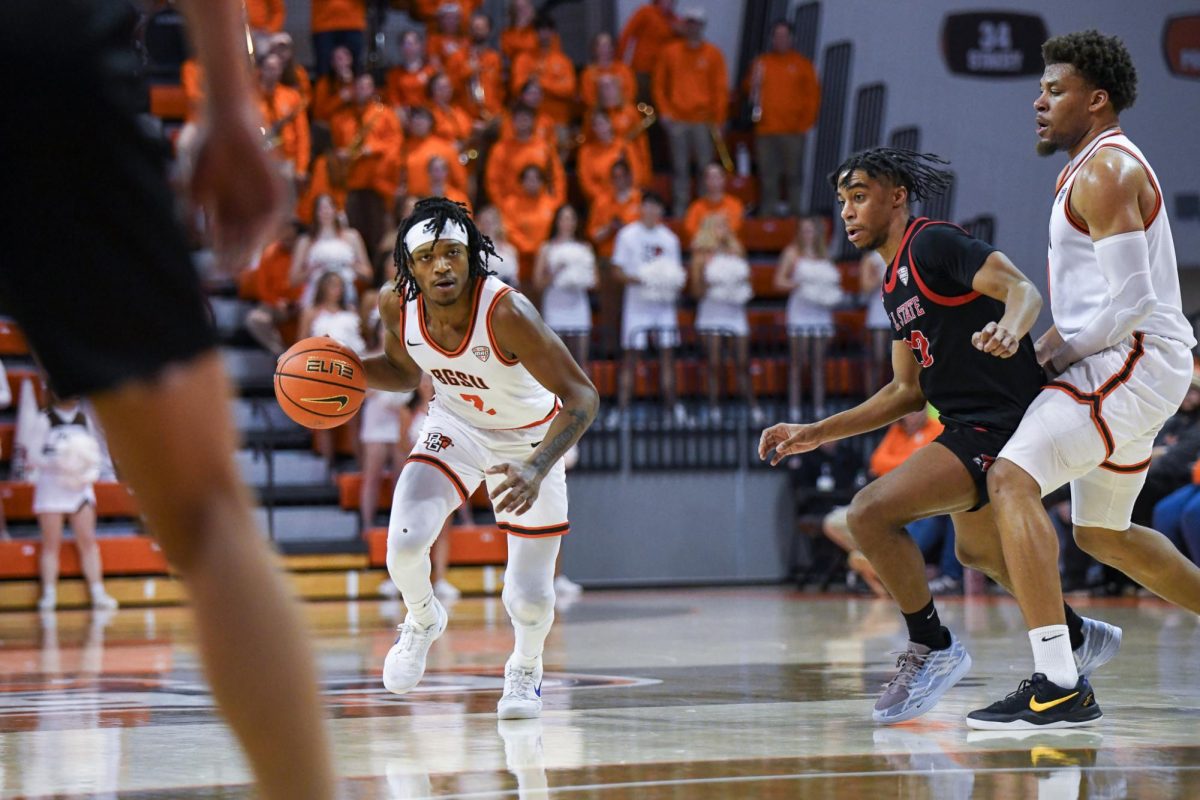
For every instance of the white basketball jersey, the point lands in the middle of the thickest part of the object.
(1077, 287)
(476, 382)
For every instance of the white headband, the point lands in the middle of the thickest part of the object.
(424, 234)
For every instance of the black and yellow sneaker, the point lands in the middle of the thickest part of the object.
(1037, 704)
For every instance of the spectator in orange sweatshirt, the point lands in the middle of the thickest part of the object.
(529, 217)
(337, 23)
(266, 16)
(438, 170)
(604, 65)
(478, 73)
(421, 146)
(446, 37)
(544, 126)
(785, 97)
(519, 37)
(334, 89)
(643, 38)
(509, 157)
(552, 68)
(270, 285)
(408, 81)
(617, 205)
(628, 123)
(369, 141)
(426, 11)
(284, 120)
(294, 76)
(597, 155)
(714, 200)
(449, 121)
(691, 91)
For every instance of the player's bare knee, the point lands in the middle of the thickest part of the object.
(1106, 546)
(870, 513)
(1006, 481)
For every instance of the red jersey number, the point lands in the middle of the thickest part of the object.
(477, 401)
(920, 347)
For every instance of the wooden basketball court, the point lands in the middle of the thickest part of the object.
(736, 693)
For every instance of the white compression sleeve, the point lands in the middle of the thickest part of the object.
(1125, 264)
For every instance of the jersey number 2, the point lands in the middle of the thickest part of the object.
(920, 347)
(477, 401)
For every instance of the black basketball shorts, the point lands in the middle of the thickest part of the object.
(93, 264)
(977, 448)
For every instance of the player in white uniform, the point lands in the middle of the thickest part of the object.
(1120, 351)
(510, 402)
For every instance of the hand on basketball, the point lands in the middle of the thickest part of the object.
(522, 483)
(235, 184)
(996, 340)
(788, 440)
(1047, 345)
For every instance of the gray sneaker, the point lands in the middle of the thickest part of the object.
(1101, 642)
(923, 676)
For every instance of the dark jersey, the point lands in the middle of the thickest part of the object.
(933, 309)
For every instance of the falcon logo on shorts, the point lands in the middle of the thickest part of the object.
(436, 442)
(903, 273)
(482, 352)
(984, 461)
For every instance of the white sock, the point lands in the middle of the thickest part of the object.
(524, 662)
(422, 611)
(1052, 655)
(96, 590)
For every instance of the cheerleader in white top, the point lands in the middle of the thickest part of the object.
(814, 286)
(720, 278)
(332, 246)
(504, 265)
(67, 460)
(878, 331)
(510, 402)
(565, 272)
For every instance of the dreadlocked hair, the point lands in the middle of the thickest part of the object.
(916, 172)
(1102, 60)
(479, 247)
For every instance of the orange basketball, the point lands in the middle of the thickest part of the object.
(320, 383)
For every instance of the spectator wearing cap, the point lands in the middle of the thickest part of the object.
(785, 96)
(423, 144)
(552, 68)
(714, 200)
(646, 33)
(265, 16)
(294, 75)
(337, 23)
(408, 81)
(478, 73)
(604, 64)
(691, 91)
(449, 37)
(509, 157)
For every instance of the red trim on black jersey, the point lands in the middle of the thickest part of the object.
(940, 299)
(889, 282)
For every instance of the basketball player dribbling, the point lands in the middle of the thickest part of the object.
(1120, 351)
(960, 314)
(510, 401)
(96, 271)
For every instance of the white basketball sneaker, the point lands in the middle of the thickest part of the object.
(405, 663)
(1101, 642)
(522, 697)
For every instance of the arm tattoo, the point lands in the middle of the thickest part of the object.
(561, 443)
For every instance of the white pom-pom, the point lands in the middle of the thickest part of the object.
(343, 327)
(76, 459)
(819, 282)
(573, 265)
(662, 278)
(728, 279)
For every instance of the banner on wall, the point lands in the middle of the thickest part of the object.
(1181, 46)
(993, 44)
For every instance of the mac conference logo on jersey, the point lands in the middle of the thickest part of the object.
(993, 44)
(1181, 46)
(482, 352)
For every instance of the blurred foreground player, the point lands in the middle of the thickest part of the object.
(511, 401)
(96, 272)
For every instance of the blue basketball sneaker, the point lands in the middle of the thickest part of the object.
(923, 676)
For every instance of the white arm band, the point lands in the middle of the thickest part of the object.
(1124, 262)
